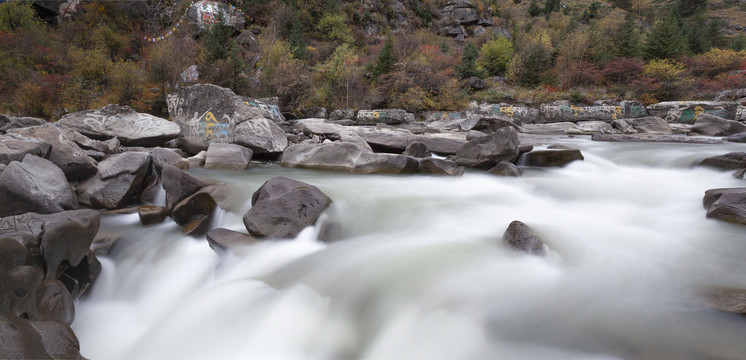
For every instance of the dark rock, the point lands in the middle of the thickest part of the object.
(474, 83)
(65, 153)
(151, 214)
(282, 207)
(79, 278)
(729, 161)
(729, 205)
(549, 157)
(227, 156)
(120, 181)
(387, 116)
(20, 340)
(103, 242)
(711, 125)
(55, 302)
(653, 138)
(12, 122)
(440, 167)
(123, 122)
(739, 138)
(520, 237)
(14, 149)
(315, 112)
(346, 156)
(35, 184)
(713, 195)
(486, 151)
(740, 174)
(58, 339)
(221, 240)
(505, 168)
(163, 156)
(67, 237)
(417, 150)
(179, 185)
(650, 125)
(197, 206)
(262, 136)
(487, 124)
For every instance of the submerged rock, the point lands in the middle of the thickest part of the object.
(520, 237)
(505, 168)
(558, 157)
(282, 207)
(486, 151)
(222, 240)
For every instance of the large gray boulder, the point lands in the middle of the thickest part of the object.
(650, 125)
(179, 185)
(119, 182)
(688, 111)
(346, 156)
(486, 151)
(739, 138)
(519, 236)
(208, 113)
(262, 136)
(204, 14)
(397, 141)
(15, 149)
(552, 157)
(12, 122)
(36, 184)
(726, 204)
(385, 116)
(227, 156)
(65, 153)
(440, 167)
(564, 111)
(712, 125)
(282, 207)
(505, 168)
(123, 122)
(729, 161)
(163, 156)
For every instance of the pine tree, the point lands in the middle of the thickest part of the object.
(665, 40)
(533, 8)
(689, 8)
(551, 6)
(468, 67)
(296, 40)
(386, 59)
(626, 40)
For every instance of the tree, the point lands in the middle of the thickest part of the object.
(386, 59)
(551, 6)
(16, 15)
(496, 55)
(297, 40)
(688, 8)
(626, 40)
(533, 8)
(532, 59)
(218, 43)
(468, 67)
(339, 74)
(666, 40)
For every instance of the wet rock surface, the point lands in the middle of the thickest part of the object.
(36, 184)
(519, 236)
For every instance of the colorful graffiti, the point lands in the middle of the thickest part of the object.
(272, 110)
(511, 111)
(209, 129)
(687, 115)
(207, 13)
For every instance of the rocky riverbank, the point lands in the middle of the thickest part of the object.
(57, 178)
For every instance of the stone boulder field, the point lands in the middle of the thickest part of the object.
(58, 179)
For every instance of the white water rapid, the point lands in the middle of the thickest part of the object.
(420, 272)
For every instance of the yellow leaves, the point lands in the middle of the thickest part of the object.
(664, 69)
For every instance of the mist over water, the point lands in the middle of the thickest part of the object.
(420, 271)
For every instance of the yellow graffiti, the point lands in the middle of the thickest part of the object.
(376, 115)
(576, 109)
(698, 110)
(617, 113)
(507, 110)
(211, 122)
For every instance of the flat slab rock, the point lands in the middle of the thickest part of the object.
(123, 122)
(655, 138)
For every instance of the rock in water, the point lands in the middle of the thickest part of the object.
(650, 125)
(282, 207)
(504, 168)
(486, 151)
(417, 149)
(120, 180)
(559, 157)
(346, 156)
(440, 167)
(227, 156)
(179, 185)
(35, 184)
(221, 240)
(520, 237)
(729, 161)
(123, 122)
(726, 204)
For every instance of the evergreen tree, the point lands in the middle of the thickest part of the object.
(297, 41)
(386, 59)
(665, 39)
(217, 42)
(533, 8)
(468, 67)
(551, 6)
(626, 40)
(689, 8)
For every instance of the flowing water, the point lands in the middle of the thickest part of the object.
(420, 271)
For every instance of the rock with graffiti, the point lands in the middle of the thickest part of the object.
(124, 123)
(207, 13)
(686, 112)
(387, 116)
(518, 113)
(561, 111)
(208, 113)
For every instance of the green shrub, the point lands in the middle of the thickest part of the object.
(495, 56)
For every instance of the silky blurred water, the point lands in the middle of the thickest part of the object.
(419, 271)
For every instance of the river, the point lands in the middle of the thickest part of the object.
(420, 271)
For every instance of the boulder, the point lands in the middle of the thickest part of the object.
(15, 149)
(711, 125)
(654, 138)
(64, 153)
(124, 123)
(282, 207)
(726, 204)
(440, 167)
(58, 340)
(564, 111)
(194, 211)
(151, 214)
(474, 83)
(387, 116)
(417, 149)
(557, 128)
(650, 125)
(739, 138)
(342, 114)
(79, 278)
(352, 137)
(730, 95)
(179, 185)
(440, 145)
(197, 160)
(36, 184)
(486, 151)
(505, 168)
(221, 240)
(589, 128)
(20, 340)
(688, 112)
(520, 237)
(729, 161)
(623, 126)
(555, 157)
(346, 157)
(119, 182)
(473, 134)
(261, 135)
(487, 124)
(315, 112)
(207, 113)
(311, 127)
(162, 156)
(729, 300)
(12, 122)
(227, 156)
(204, 14)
